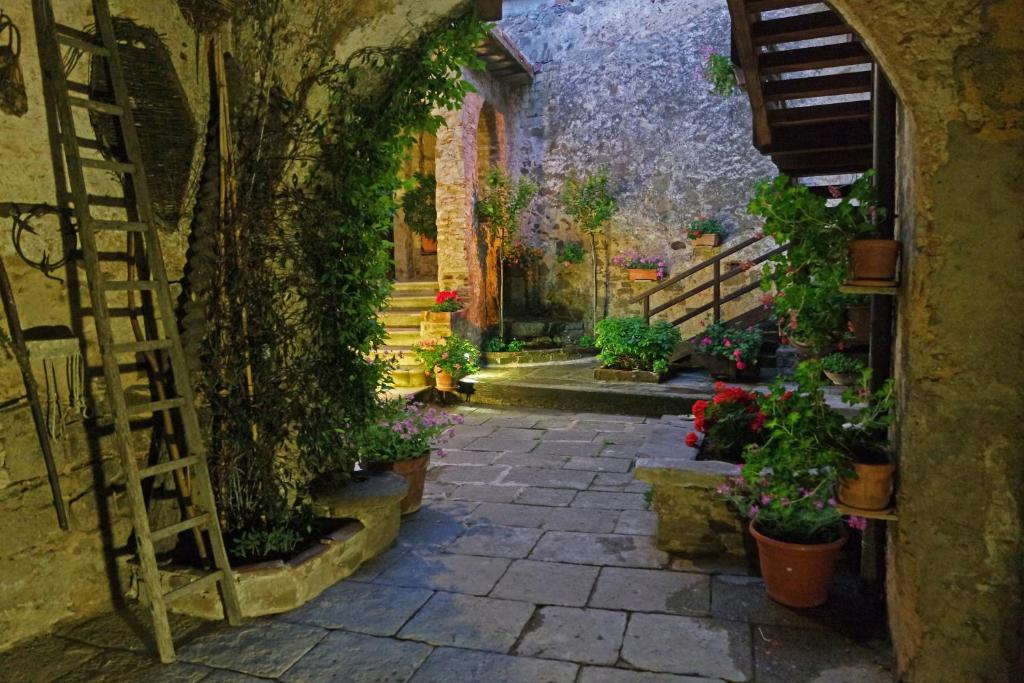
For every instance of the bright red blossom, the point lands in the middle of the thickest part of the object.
(691, 439)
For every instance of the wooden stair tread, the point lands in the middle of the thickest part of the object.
(796, 28)
(816, 57)
(818, 86)
(824, 163)
(820, 137)
(820, 113)
(769, 5)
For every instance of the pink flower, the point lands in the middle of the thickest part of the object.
(740, 365)
(706, 341)
(818, 505)
(444, 355)
(752, 512)
(858, 523)
(728, 343)
(766, 500)
(834, 191)
(737, 353)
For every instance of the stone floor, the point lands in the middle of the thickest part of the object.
(532, 561)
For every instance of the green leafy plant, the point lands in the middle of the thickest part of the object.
(632, 344)
(515, 345)
(842, 364)
(587, 342)
(405, 431)
(592, 205)
(704, 224)
(261, 544)
(719, 72)
(454, 355)
(447, 301)
(570, 253)
(737, 345)
(496, 345)
(866, 436)
(806, 279)
(419, 205)
(499, 209)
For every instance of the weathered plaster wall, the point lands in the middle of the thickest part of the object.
(47, 575)
(956, 557)
(620, 85)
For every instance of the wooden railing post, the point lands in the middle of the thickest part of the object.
(647, 309)
(718, 291)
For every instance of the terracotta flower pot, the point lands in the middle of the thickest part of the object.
(871, 490)
(874, 259)
(427, 245)
(707, 241)
(444, 381)
(859, 319)
(795, 574)
(643, 273)
(415, 473)
(842, 379)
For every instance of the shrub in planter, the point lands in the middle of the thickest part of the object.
(736, 349)
(705, 231)
(447, 301)
(449, 360)
(787, 487)
(730, 422)
(640, 266)
(402, 440)
(632, 344)
(843, 370)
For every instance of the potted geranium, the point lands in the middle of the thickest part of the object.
(843, 370)
(640, 266)
(865, 441)
(786, 490)
(420, 210)
(402, 440)
(705, 231)
(449, 360)
(729, 422)
(730, 352)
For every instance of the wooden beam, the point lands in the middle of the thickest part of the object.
(799, 27)
(821, 137)
(819, 86)
(489, 10)
(758, 6)
(820, 113)
(817, 57)
(743, 45)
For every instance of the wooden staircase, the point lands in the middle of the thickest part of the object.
(810, 81)
(402, 318)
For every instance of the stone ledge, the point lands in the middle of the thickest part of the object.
(536, 356)
(613, 375)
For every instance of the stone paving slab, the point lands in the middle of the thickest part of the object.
(547, 583)
(688, 645)
(496, 541)
(637, 522)
(548, 497)
(578, 519)
(131, 629)
(450, 665)
(793, 655)
(467, 474)
(469, 621)
(356, 658)
(485, 493)
(599, 549)
(509, 514)
(598, 464)
(612, 479)
(463, 573)
(609, 500)
(259, 647)
(425, 533)
(366, 608)
(122, 665)
(569, 448)
(532, 460)
(545, 478)
(590, 636)
(600, 674)
(648, 590)
(460, 457)
(573, 434)
(513, 420)
(444, 511)
(48, 658)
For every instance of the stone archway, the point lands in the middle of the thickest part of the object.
(473, 139)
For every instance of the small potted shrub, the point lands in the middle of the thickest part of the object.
(843, 370)
(729, 422)
(786, 490)
(402, 440)
(449, 360)
(870, 485)
(641, 267)
(730, 352)
(705, 231)
(569, 254)
(419, 206)
(631, 344)
(445, 304)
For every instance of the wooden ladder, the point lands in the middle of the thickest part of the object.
(152, 284)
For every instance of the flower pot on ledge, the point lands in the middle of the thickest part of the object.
(414, 471)
(873, 261)
(872, 487)
(712, 240)
(636, 274)
(444, 381)
(428, 246)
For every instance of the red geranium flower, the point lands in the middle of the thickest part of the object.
(691, 439)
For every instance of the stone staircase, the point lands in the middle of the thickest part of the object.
(402, 318)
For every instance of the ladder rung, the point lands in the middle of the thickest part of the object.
(103, 164)
(125, 226)
(175, 529)
(155, 406)
(195, 586)
(105, 200)
(141, 346)
(130, 285)
(97, 106)
(86, 143)
(168, 466)
(79, 40)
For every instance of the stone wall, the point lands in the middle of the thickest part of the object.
(619, 84)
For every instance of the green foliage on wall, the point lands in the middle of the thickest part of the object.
(419, 205)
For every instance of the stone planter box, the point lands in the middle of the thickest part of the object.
(724, 369)
(531, 356)
(613, 375)
(371, 507)
(693, 521)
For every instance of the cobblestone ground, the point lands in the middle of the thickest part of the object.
(532, 561)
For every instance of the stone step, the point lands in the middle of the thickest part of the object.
(409, 377)
(406, 301)
(403, 336)
(398, 317)
(422, 288)
(404, 355)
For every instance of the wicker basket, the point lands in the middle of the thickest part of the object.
(207, 15)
